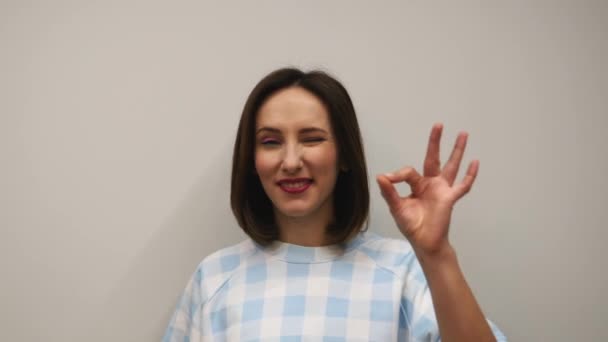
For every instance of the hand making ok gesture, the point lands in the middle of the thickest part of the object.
(424, 216)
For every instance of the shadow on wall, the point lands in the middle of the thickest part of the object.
(141, 304)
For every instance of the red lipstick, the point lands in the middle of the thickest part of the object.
(294, 185)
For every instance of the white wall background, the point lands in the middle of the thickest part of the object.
(117, 121)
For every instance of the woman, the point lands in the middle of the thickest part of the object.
(310, 270)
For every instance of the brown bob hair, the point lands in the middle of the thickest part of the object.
(250, 204)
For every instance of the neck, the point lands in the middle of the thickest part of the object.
(307, 230)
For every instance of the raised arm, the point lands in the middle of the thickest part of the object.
(424, 219)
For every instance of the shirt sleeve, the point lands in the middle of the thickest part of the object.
(417, 320)
(185, 322)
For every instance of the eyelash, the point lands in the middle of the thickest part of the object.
(269, 142)
(274, 142)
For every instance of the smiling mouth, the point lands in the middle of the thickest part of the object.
(296, 187)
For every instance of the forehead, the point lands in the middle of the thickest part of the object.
(293, 107)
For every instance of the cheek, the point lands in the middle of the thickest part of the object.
(264, 163)
(325, 160)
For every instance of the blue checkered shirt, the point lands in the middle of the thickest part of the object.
(369, 289)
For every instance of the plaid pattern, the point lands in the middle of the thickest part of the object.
(371, 289)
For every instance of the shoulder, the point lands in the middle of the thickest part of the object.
(395, 255)
(227, 258)
(209, 276)
(386, 251)
(218, 267)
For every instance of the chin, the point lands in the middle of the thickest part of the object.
(295, 211)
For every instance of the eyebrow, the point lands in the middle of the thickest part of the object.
(303, 130)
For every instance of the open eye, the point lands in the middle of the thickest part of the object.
(270, 142)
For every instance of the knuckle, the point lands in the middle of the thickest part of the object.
(431, 162)
(405, 170)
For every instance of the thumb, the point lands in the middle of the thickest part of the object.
(388, 191)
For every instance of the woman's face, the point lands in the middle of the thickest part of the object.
(295, 153)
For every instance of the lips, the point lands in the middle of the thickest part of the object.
(295, 185)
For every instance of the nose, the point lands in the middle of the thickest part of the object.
(292, 158)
